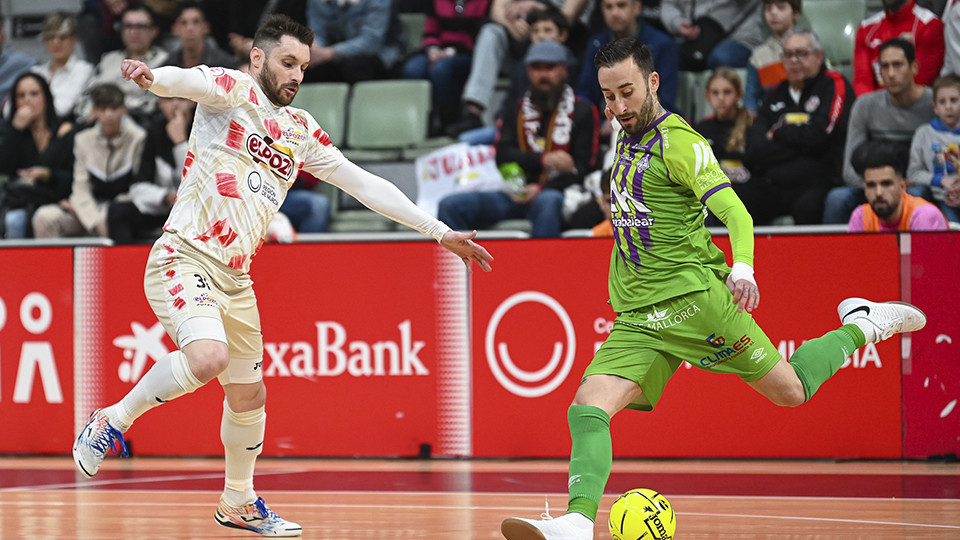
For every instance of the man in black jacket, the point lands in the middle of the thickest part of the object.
(550, 135)
(804, 120)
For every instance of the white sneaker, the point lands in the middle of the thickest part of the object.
(880, 321)
(571, 526)
(95, 440)
(256, 517)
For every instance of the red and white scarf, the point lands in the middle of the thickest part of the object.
(559, 128)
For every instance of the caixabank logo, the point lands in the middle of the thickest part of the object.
(326, 353)
(503, 343)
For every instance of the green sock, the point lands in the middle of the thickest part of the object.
(819, 359)
(590, 458)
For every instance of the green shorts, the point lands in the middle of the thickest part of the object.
(703, 328)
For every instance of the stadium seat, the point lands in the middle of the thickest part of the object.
(385, 117)
(522, 225)
(686, 87)
(327, 102)
(413, 29)
(836, 22)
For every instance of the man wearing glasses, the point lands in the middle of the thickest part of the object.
(138, 31)
(801, 128)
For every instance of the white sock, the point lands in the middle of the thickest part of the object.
(168, 379)
(242, 437)
(868, 328)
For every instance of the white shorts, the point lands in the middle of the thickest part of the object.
(195, 297)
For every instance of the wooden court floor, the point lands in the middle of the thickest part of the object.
(454, 499)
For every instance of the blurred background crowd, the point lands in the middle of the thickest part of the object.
(819, 111)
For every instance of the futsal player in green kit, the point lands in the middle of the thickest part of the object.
(676, 299)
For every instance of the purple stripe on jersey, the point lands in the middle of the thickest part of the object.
(714, 190)
(625, 236)
(638, 188)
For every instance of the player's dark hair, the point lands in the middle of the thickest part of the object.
(623, 48)
(878, 154)
(107, 95)
(550, 13)
(908, 49)
(275, 27)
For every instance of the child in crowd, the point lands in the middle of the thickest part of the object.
(935, 150)
(107, 158)
(727, 129)
(765, 69)
(546, 23)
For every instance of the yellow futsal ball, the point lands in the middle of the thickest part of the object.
(642, 514)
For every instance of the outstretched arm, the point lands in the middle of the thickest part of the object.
(731, 211)
(167, 81)
(385, 198)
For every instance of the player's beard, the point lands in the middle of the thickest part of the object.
(882, 208)
(272, 88)
(645, 116)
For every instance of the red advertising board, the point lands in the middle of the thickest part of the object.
(377, 349)
(533, 335)
(931, 371)
(350, 352)
(36, 350)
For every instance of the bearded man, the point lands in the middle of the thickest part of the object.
(551, 135)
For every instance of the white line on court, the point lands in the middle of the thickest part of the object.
(515, 509)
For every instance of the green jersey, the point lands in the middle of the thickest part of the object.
(660, 182)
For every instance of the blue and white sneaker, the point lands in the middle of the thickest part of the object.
(256, 517)
(881, 320)
(96, 439)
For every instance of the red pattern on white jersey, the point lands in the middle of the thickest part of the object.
(187, 163)
(322, 137)
(224, 80)
(273, 129)
(235, 136)
(227, 185)
(234, 179)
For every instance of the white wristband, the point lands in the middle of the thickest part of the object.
(742, 270)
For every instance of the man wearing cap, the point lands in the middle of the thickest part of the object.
(551, 135)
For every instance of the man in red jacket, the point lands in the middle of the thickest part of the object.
(899, 18)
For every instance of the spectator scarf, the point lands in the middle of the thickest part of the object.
(559, 128)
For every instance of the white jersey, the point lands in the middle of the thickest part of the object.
(243, 155)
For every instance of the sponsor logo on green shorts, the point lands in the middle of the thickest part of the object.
(660, 320)
(724, 352)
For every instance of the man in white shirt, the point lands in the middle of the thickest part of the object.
(138, 30)
(67, 73)
(244, 153)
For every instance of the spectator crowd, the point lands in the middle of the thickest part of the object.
(875, 146)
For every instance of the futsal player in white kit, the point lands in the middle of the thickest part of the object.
(245, 150)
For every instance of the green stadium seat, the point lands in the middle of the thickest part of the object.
(836, 23)
(327, 103)
(413, 29)
(385, 117)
